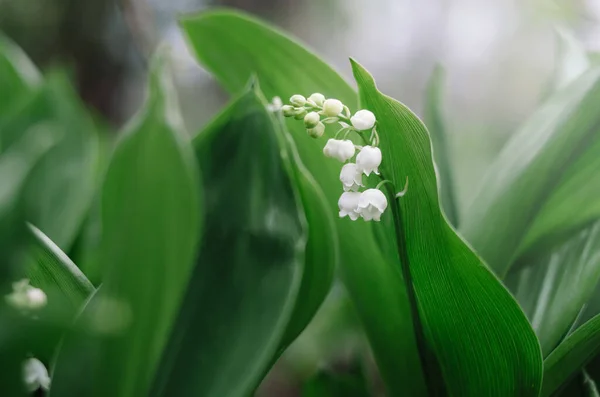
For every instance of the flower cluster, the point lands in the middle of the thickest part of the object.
(26, 297)
(317, 111)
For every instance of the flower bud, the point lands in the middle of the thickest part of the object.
(311, 119)
(317, 98)
(36, 297)
(348, 204)
(368, 160)
(298, 100)
(288, 111)
(332, 107)
(299, 113)
(371, 204)
(341, 150)
(317, 131)
(363, 120)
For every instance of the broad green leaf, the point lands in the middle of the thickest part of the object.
(518, 196)
(150, 223)
(435, 122)
(51, 269)
(18, 75)
(321, 249)
(553, 289)
(68, 175)
(479, 335)
(234, 47)
(570, 356)
(249, 269)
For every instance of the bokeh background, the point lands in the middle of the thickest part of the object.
(499, 57)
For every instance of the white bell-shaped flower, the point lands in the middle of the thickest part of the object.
(341, 150)
(317, 99)
(351, 177)
(332, 107)
(363, 120)
(35, 375)
(368, 160)
(36, 298)
(371, 204)
(348, 204)
(26, 297)
(311, 120)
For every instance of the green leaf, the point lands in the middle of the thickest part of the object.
(435, 122)
(470, 321)
(570, 356)
(51, 270)
(329, 384)
(68, 175)
(234, 47)
(249, 269)
(150, 218)
(532, 176)
(553, 289)
(18, 75)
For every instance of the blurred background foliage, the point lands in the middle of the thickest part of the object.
(498, 57)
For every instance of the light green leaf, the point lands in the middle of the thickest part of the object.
(553, 289)
(150, 219)
(18, 75)
(248, 274)
(68, 175)
(570, 356)
(52, 270)
(435, 122)
(234, 47)
(510, 215)
(479, 335)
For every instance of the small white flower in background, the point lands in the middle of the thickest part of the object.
(35, 375)
(26, 297)
(341, 150)
(348, 204)
(317, 131)
(332, 107)
(363, 120)
(311, 120)
(297, 100)
(351, 177)
(317, 99)
(275, 105)
(368, 160)
(371, 204)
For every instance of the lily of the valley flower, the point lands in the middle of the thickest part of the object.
(371, 204)
(351, 177)
(298, 100)
(348, 204)
(341, 150)
(35, 375)
(368, 160)
(26, 297)
(317, 99)
(317, 131)
(363, 120)
(332, 107)
(311, 120)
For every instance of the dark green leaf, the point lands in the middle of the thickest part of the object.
(330, 384)
(570, 356)
(553, 289)
(249, 270)
(234, 47)
(469, 319)
(150, 218)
